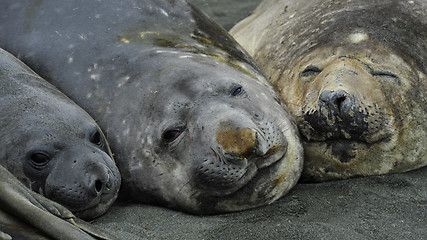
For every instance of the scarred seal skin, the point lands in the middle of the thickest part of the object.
(51, 145)
(192, 122)
(353, 73)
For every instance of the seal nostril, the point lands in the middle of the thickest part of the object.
(333, 101)
(98, 186)
(339, 101)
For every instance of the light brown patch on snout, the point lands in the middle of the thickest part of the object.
(240, 142)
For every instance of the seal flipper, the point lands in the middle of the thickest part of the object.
(49, 217)
(4, 236)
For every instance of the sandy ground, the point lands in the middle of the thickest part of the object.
(379, 207)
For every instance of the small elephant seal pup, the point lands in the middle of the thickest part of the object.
(52, 145)
(25, 214)
(192, 122)
(353, 73)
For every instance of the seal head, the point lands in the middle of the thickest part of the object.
(52, 145)
(209, 144)
(354, 76)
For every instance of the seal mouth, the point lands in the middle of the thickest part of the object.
(260, 189)
(268, 176)
(273, 155)
(106, 196)
(252, 171)
(383, 139)
(261, 167)
(368, 133)
(99, 207)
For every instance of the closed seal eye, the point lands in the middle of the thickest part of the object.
(383, 74)
(387, 75)
(310, 70)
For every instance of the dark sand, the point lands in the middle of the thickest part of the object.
(380, 207)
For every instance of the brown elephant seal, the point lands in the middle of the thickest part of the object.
(52, 145)
(192, 122)
(353, 73)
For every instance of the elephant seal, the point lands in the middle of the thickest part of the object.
(192, 122)
(353, 73)
(51, 145)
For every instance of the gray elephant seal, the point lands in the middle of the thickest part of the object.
(353, 73)
(192, 122)
(51, 145)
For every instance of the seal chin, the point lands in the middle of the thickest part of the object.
(260, 169)
(99, 207)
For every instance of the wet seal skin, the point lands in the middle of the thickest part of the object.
(51, 145)
(192, 122)
(353, 74)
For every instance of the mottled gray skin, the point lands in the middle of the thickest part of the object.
(51, 145)
(192, 123)
(353, 73)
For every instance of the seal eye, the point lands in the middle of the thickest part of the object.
(171, 134)
(383, 74)
(237, 90)
(39, 159)
(96, 138)
(310, 71)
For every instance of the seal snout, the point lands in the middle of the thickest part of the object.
(339, 115)
(245, 143)
(239, 143)
(99, 181)
(336, 102)
(88, 186)
(347, 106)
